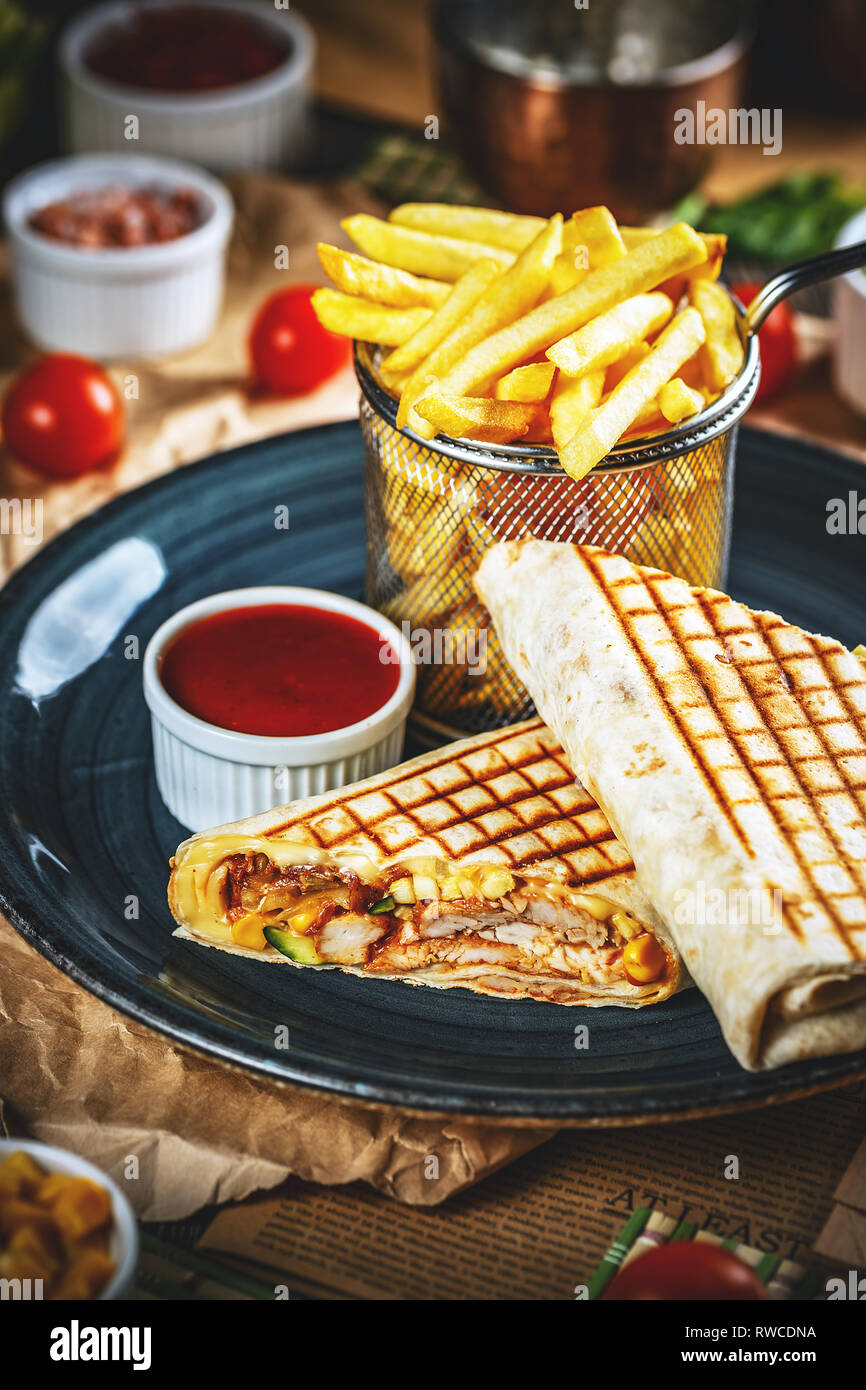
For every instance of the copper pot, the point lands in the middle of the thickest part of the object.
(543, 142)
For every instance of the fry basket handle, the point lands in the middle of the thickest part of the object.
(797, 277)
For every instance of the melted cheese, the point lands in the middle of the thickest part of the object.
(198, 889)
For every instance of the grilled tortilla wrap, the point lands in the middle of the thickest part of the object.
(728, 750)
(482, 864)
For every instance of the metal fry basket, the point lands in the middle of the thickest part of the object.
(432, 508)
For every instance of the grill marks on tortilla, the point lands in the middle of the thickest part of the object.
(512, 794)
(774, 729)
(610, 589)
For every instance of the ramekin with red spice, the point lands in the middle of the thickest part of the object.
(260, 696)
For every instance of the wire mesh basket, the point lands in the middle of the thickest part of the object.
(432, 508)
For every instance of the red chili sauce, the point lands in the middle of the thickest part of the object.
(186, 48)
(280, 669)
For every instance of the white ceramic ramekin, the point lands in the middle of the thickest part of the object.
(207, 776)
(849, 356)
(261, 124)
(123, 1243)
(129, 301)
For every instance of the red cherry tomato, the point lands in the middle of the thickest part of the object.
(687, 1271)
(290, 350)
(63, 415)
(778, 344)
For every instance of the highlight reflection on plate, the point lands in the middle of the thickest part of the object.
(76, 624)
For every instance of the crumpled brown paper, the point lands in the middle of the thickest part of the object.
(80, 1075)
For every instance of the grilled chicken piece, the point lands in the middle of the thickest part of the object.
(345, 939)
(566, 920)
(563, 919)
(439, 918)
(397, 956)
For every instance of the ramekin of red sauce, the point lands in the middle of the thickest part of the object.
(260, 696)
(186, 48)
(221, 83)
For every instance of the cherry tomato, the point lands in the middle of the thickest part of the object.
(290, 350)
(687, 1271)
(778, 344)
(63, 416)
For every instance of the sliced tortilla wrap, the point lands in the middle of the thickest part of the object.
(482, 865)
(728, 751)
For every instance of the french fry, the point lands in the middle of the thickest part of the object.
(421, 534)
(651, 421)
(528, 384)
(441, 258)
(677, 401)
(605, 425)
(540, 431)
(493, 422)
(507, 297)
(604, 339)
(507, 230)
(677, 286)
(359, 318)
(648, 418)
(395, 381)
(572, 400)
(618, 369)
(507, 327)
(596, 229)
(722, 353)
(464, 294)
(715, 243)
(640, 270)
(356, 275)
(590, 240)
(692, 373)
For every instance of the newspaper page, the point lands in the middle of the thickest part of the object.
(537, 1229)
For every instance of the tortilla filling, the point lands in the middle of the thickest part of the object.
(505, 932)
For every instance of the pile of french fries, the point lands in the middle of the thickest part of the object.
(505, 328)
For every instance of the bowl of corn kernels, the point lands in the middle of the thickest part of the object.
(66, 1230)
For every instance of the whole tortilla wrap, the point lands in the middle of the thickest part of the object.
(728, 750)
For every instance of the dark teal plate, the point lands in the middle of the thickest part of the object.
(85, 839)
